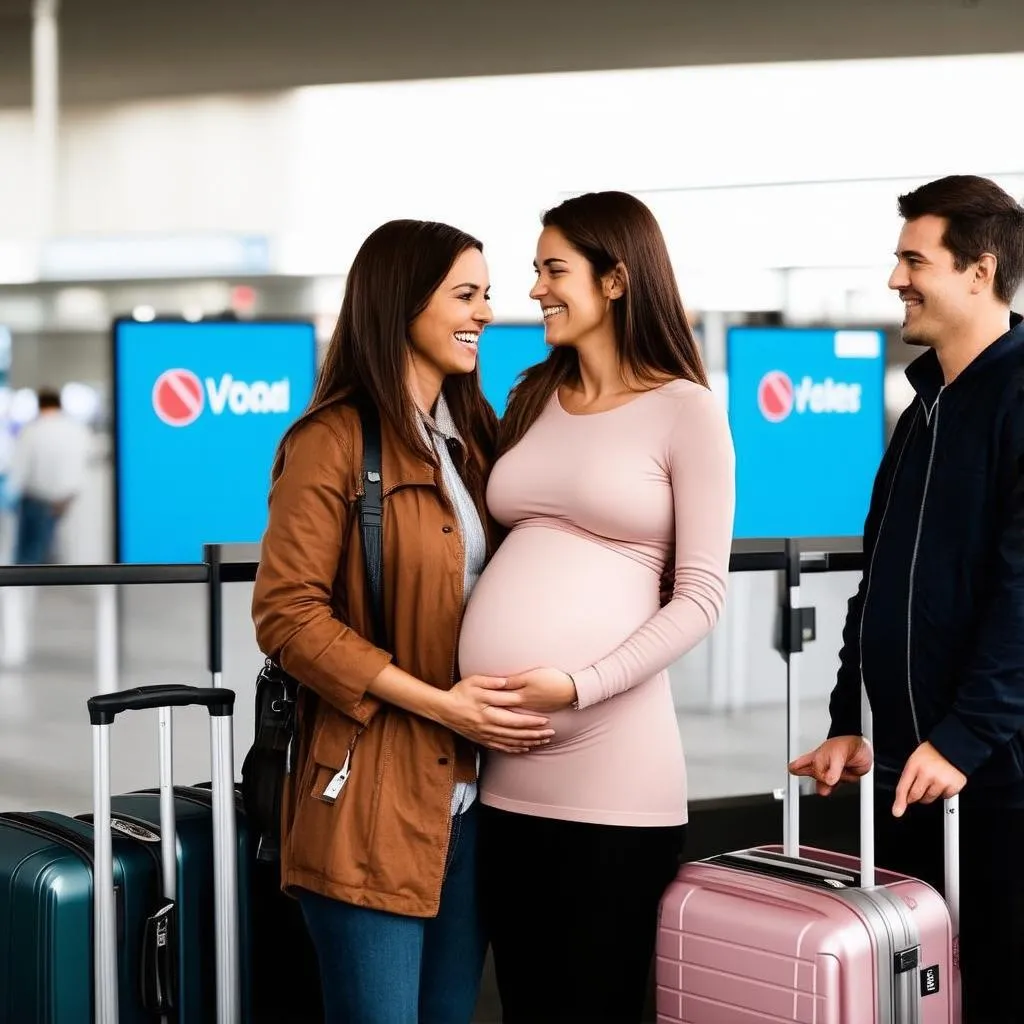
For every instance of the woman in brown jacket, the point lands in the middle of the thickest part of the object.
(382, 856)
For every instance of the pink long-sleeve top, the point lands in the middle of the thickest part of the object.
(598, 505)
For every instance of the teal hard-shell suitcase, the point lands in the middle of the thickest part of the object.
(46, 894)
(193, 807)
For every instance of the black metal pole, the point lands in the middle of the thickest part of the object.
(792, 618)
(98, 575)
(215, 612)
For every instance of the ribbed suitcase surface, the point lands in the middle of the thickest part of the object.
(755, 938)
(46, 920)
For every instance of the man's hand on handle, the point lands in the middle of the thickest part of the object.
(840, 759)
(927, 777)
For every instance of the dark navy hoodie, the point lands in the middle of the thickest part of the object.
(936, 628)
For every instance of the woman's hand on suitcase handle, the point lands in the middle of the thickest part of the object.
(483, 710)
(839, 759)
(927, 777)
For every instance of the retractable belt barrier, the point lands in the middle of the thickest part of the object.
(790, 558)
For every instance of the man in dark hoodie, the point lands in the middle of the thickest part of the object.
(935, 632)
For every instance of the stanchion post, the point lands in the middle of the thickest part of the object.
(107, 638)
(792, 643)
(214, 613)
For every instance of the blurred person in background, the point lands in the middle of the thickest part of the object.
(935, 631)
(616, 465)
(47, 472)
(379, 826)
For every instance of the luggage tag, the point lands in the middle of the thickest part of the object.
(333, 788)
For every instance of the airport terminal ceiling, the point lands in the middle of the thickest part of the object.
(116, 50)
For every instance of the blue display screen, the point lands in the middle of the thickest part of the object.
(505, 351)
(199, 410)
(806, 408)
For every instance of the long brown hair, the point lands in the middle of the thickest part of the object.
(654, 337)
(392, 278)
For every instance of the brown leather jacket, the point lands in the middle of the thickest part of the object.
(383, 842)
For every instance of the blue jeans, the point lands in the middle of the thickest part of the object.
(381, 968)
(37, 525)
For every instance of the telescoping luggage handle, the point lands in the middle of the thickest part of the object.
(793, 644)
(103, 709)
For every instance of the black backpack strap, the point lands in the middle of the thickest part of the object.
(371, 517)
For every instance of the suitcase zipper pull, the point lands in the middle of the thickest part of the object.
(333, 788)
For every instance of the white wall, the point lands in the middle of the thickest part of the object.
(15, 175)
(492, 153)
(213, 164)
(317, 168)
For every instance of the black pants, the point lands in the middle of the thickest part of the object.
(991, 894)
(572, 910)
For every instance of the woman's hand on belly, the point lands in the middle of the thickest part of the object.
(544, 689)
(485, 710)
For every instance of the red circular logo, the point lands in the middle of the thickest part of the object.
(775, 396)
(178, 397)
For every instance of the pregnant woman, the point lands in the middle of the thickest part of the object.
(617, 464)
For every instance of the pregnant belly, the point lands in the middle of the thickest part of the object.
(553, 598)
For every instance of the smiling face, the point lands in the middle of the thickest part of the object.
(445, 337)
(574, 303)
(937, 298)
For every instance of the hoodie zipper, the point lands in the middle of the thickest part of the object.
(928, 416)
(871, 563)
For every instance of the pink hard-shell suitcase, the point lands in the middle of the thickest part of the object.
(798, 934)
